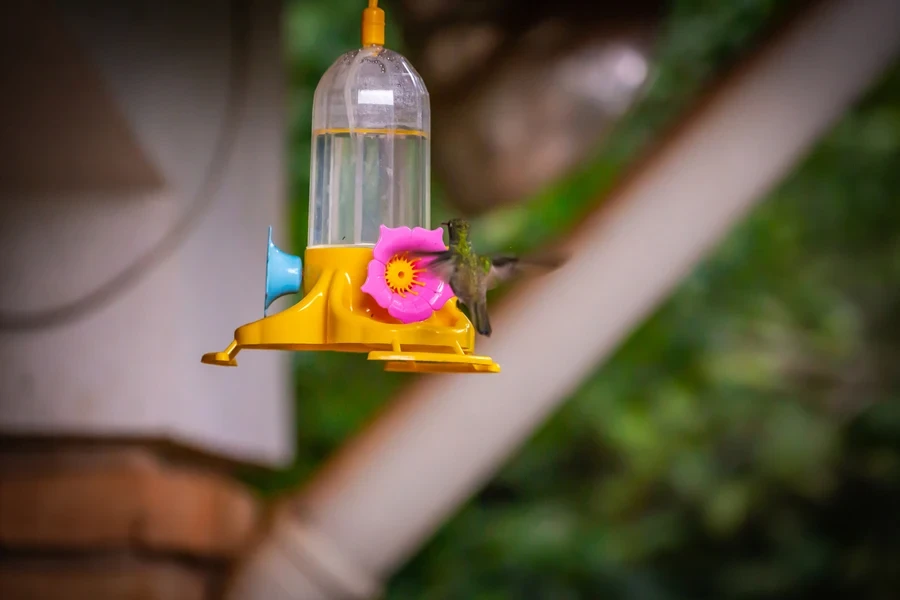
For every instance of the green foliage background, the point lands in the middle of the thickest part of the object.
(745, 441)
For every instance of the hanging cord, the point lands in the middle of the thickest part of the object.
(193, 214)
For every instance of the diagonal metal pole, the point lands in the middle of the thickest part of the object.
(389, 489)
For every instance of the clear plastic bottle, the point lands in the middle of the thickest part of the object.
(370, 149)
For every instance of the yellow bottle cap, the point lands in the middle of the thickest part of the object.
(373, 25)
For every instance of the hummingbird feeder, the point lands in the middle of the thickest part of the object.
(369, 205)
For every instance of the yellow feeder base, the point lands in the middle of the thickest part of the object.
(336, 315)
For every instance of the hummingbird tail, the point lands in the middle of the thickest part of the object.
(482, 320)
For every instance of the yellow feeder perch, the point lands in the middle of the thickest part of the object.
(370, 202)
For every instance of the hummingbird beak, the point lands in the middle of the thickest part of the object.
(445, 224)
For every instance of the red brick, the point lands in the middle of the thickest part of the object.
(123, 504)
(76, 580)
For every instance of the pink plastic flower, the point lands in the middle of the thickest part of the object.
(398, 282)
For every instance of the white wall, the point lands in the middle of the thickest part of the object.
(133, 367)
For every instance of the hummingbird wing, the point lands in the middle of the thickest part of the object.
(505, 267)
(502, 269)
(441, 266)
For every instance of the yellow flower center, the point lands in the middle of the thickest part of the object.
(401, 275)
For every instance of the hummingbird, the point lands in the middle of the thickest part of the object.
(471, 275)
